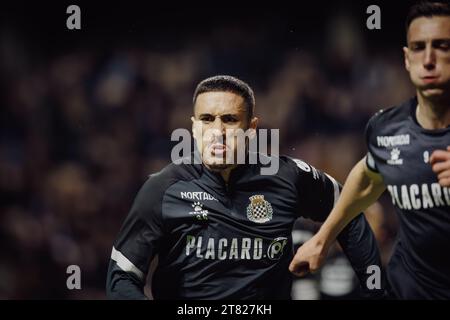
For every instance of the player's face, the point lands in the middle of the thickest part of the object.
(427, 57)
(218, 115)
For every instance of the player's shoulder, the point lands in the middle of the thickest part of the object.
(392, 115)
(281, 166)
(151, 194)
(293, 162)
(292, 165)
(172, 173)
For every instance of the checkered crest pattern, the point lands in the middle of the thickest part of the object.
(259, 210)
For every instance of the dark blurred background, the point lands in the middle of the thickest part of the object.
(87, 114)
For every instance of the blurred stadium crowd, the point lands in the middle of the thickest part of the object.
(81, 130)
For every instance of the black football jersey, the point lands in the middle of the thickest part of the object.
(217, 240)
(400, 149)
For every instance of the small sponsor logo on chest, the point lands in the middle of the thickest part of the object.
(196, 195)
(392, 141)
(395, 157)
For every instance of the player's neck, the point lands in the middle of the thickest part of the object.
(226, 173)
(432, 115)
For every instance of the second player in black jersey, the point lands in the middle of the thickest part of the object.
(408, 155)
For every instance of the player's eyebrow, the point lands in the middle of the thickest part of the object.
(439, 40)
(435, 43)
(417, 43)
(220, 115)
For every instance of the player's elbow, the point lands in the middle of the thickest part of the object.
(111, 285)
(121, 285)
(111, 294)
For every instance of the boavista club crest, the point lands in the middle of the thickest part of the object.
(259, 210)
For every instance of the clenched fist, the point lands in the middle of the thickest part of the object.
(440, 162)
(309, 257)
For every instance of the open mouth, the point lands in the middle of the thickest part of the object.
(218, 149)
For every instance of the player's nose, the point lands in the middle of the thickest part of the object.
(429, 59)
(218, 125)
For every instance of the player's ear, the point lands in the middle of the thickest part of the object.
(406, 56)
(253, 125)
(194, 126)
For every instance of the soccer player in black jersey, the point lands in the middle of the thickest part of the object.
(409, 155)
(223, 230)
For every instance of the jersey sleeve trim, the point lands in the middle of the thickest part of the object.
(125, 264)
(370, 162)
(337, 191)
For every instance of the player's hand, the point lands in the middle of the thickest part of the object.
(440, 162)
(309, 257)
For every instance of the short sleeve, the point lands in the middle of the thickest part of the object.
(371, 160)
(317, 192)
(140, 236)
